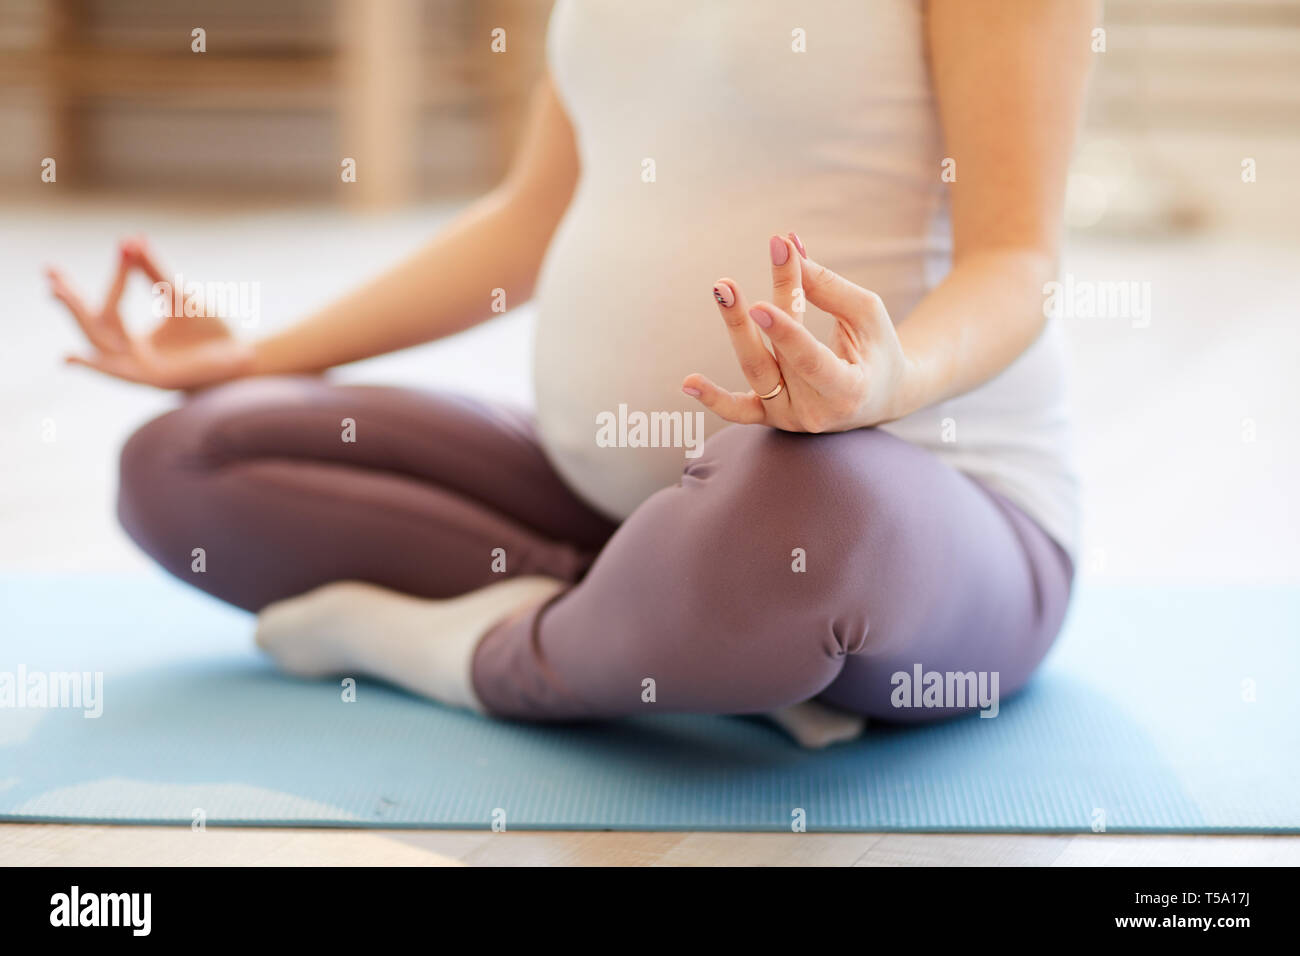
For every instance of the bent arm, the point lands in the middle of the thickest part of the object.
(1009, 77)
(447, 286)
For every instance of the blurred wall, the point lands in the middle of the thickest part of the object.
(1185, 93)
(284, 90)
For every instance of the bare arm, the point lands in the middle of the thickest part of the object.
(447, 286)
(1009, 76)
(498, 243)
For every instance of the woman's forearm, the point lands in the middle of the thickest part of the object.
(445, 287)
(975, 323)
(453, 282)
(1010, 108)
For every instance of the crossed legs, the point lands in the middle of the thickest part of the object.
(783, 567)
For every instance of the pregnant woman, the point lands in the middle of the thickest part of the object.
(884, 482)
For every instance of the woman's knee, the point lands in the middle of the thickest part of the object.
(199, 425)
(149, 471)
(832, 491)
(795, 530)
(164, 461)
(824, 534)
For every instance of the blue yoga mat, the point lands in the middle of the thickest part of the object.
(1161, 710)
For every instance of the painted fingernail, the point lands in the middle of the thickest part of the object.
(761, 316)
(780, 251)
(798, 244)
(722, 292)
(693, 392)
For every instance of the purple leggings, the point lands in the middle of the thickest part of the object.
(783, 567)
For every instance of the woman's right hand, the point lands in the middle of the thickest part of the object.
(182, 352)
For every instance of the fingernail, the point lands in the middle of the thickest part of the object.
(722, 292)
(693, 392)
(760, 316)
(780, 251)
(798, 244)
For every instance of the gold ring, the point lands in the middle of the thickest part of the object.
(775, 392)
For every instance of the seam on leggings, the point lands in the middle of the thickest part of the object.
(535, 645)
(208, 458)
(382, 506)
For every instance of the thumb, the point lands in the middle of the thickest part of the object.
(116, 365)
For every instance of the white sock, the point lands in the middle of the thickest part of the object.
(815, 725)
(424, 646)
(428, 646)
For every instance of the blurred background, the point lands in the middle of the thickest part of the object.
(411, 89)
(218, 128)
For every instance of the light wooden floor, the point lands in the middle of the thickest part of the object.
(66, 845)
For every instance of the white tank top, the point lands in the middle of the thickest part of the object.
(701, 131)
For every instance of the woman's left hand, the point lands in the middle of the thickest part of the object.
(861, 379)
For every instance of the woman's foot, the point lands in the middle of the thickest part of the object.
(427, 647)
(815, 725)
(422, 645)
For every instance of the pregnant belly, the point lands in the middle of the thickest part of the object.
(610, 410)
(625, 314)
(614, 341)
